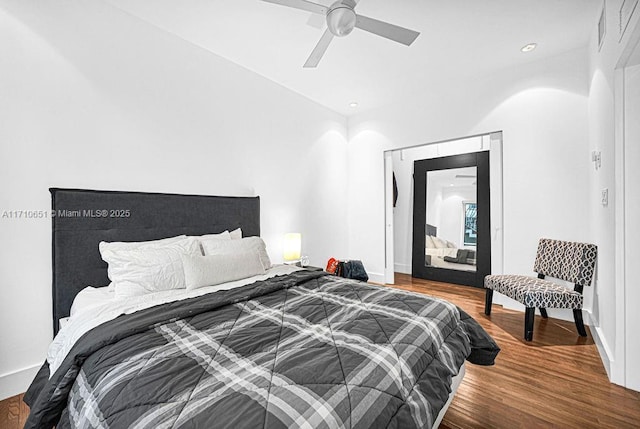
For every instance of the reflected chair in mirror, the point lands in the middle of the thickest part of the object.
(563, 260)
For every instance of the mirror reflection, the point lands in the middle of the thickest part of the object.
(451, 215)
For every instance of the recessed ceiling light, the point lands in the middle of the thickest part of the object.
(528, 48)
(353, 104)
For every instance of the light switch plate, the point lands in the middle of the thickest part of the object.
(605, 197)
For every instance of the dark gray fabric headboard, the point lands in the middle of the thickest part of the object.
(83, 218)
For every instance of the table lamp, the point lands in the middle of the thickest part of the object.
(292, 247)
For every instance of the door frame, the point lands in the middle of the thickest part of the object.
(618, 361)
(492, 141)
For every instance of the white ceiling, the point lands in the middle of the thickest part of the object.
(459, 39)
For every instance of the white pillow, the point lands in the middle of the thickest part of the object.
(224, 235)
(236, 234)
(439, 243)
(212, 270)
(212, 237)
(148, 269)
(132, 245)
(223, 247)
(428, 242)
(451, 245)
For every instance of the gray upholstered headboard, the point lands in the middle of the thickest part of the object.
(83, 218)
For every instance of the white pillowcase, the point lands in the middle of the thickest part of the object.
(236, 234)
(225, 235)
(428, 242)
(248, 244)
(212, 237)
(132, 245)
(212, 270)
(148, 269)
(439, 243)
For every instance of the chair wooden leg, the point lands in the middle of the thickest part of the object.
(529, 315)
(543, 312)
(577, 315)
(488, 299)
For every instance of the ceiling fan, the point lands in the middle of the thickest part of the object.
(341, 20)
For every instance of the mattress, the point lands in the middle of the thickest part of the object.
(301, 349)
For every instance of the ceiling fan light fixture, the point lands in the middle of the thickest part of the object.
(341, 20)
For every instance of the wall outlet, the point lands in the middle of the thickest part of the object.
(605, 197)
(596, 158)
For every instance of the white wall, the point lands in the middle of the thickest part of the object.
(542, 110)
(451, 223)
(85, 106)
(606, 223)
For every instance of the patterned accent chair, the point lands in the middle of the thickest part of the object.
(564, 260)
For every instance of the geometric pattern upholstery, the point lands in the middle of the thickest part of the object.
(565, 260)
(533, 292)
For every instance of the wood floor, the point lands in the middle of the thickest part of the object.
(555, 381)
(13, 413)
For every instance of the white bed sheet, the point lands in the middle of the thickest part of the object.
(437, 259)
(104, 307)
(90, 297)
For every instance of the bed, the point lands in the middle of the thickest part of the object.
(441, 253)
(284, 348)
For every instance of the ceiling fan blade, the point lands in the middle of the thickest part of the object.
(317, 21)
(319, 50)
(386, 30)
(302, 4)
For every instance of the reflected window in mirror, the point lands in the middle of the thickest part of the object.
(470, 233)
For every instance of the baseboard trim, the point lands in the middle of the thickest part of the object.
(376, 278)
(601, 344)
(402, 268)
(17, 382)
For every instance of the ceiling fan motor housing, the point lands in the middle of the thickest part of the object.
(341, 18)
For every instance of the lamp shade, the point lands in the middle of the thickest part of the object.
(292, 246)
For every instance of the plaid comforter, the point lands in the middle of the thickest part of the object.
(302, 350)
